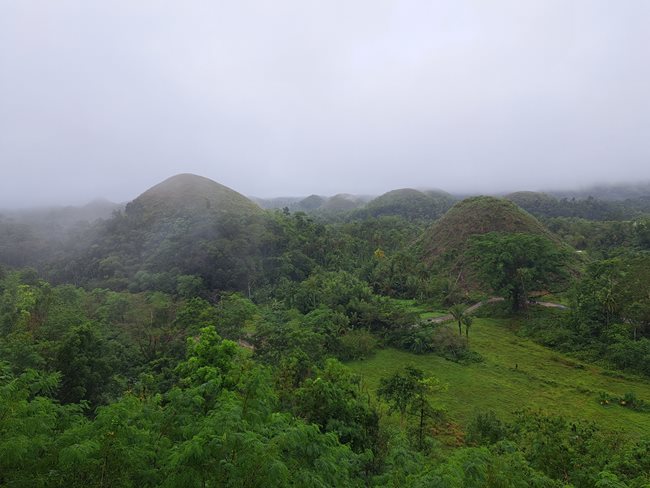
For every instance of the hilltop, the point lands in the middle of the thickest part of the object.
(186, 226)
(477, 215)
(188, 194)
(408, 203)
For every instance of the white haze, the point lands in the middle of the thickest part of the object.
(297, 97)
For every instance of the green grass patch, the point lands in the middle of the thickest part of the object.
(424, 310)
(518, 373)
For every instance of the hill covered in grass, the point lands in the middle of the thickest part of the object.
(187, 227)
(409, 204)
(475, 216)
(342, 202)
(190, 195)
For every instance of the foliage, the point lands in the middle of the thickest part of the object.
(134, 378)
(410, 394)
(629, 400)
(357, 344)
(485, 428)
(440, 340)
(515, 264)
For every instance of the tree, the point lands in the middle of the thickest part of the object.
(85, 370)
(410, 393)
(459, 313)
(335, 400)
(468, 323)
(515, 264)
(234, 313)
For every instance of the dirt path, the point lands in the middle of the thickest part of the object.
(472, 308)
(549, 305)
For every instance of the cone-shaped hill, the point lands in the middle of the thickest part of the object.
(342, 202)
(312, 202)
(186, 225)
(409, 204)
(189, 195)
(477, 215)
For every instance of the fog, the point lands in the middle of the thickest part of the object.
(104, 99)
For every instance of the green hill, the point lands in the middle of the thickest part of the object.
(543, 205)
(342, 202)
(187, 225)
(408, 203)
(188, 194)
(311, 203)
(473, 216)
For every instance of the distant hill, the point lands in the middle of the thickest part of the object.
(545, 205)
(31, 236)
(276, 202)
(188, 194)
(408, 203)
(608, 192)
(185, 225)
(343, 202)
(478, 215)
(334, 206)
(63, 217)
(312, 202)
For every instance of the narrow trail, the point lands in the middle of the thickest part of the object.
(472, 308)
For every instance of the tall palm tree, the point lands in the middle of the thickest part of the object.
(457, 311)
(467, 321)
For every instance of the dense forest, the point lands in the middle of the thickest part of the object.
(192, 338)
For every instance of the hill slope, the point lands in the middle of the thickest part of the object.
(408, 203)
(186, 225)
(515, 374)
(188, 194)
(473, 216)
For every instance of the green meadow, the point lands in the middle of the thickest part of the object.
(517, 373)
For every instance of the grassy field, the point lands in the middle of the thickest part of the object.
(518, 373)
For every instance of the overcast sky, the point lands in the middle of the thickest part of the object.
(277, 97)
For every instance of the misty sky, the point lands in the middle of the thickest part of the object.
(292, 97)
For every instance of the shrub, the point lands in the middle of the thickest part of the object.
(357, 344)
(485, 428)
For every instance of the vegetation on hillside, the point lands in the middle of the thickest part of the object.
(194, 339)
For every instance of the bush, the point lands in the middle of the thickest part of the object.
(440, 340)
(631, 355)
(485, 428)
(629, 400)
(448, 344)
(357, 344)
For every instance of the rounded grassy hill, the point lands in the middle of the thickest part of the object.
(410, 204)
(478, 215)
(188, 194)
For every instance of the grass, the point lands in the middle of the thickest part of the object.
(518, 373)
(424, 310)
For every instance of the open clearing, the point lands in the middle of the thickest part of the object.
(517, 373)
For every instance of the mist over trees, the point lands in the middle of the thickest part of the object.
(193, 338)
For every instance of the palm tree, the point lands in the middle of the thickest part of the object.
(457, 311)
(460, 315)
(467, 321)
